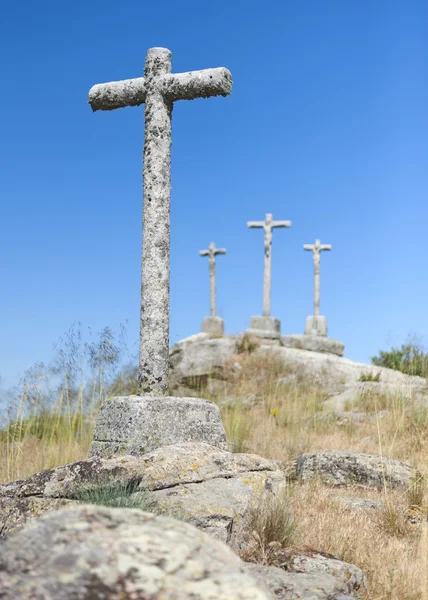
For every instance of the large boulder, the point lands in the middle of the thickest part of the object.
(90, 553)
(198, 360)
(335, 374)
(285, 585)
(336, 468)
(208, 486)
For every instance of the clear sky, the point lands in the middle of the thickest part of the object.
(326, 126)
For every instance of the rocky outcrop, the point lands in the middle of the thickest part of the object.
(203, 363)
(336, 468)
(198, 361)
(335, 374)
(90, 552)
(314, 343)
(210, 487)
(285, 585)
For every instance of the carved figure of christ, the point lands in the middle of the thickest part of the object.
(158, 90)
(212, 253)
(267, 226)
(316, 250)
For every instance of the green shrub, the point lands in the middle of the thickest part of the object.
(409, 359)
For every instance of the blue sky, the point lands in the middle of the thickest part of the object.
(326, 126)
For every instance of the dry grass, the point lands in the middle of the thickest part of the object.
(286, 421)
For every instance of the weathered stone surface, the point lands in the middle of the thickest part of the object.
(316, 325)
(210, 487)
(335, 374)
(314, 343)
(138, 424)
(92, 552)
(214, 326)
(284, 585)
(16, 511)
(338, 468)
(195, 361)
(262, 326)
(351, 579)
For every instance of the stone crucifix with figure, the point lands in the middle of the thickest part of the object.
(267, 326)
(212, 325)
(316, 324)
(137, 424)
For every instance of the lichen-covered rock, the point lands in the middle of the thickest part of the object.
(284, 585)
(138, 424)
(351, 579)
(337, 468)
(211, 487)
(90, 553)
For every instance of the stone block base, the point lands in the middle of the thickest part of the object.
(315, 343)
(138, 424)
(214, 326)
(266, 328)
(316, 325)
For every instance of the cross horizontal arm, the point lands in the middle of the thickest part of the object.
(281, 224)
(178, 86)
(308, 246)
(204, 253)
(220, 251)
(326, 247)
(251, 224)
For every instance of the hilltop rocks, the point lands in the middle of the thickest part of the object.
(210, 487)
(91, 552)
(336, 468)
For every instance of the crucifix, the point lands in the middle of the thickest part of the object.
(267, 226)
(316, 249)
(158, 90)
(212, 253)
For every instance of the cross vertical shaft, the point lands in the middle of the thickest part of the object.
(158, 89)
(212, 253)
(316, 250)
(267, 226)
(155, 267)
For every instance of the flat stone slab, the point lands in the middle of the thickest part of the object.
(206, 486)
(314, 343)
(337, 468)
(90, 552)
(214, 326)
(136, 425)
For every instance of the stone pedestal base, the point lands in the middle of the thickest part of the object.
(138, 424)
(266, 328)
(315, 343)
(316, 325)
(213, 326)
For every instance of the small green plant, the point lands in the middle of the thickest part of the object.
(271, 527)
(370, 377)
(122, 495)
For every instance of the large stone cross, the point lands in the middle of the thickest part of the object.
(316, 249)
(212, 253)
(268, 225)
(158, 90)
